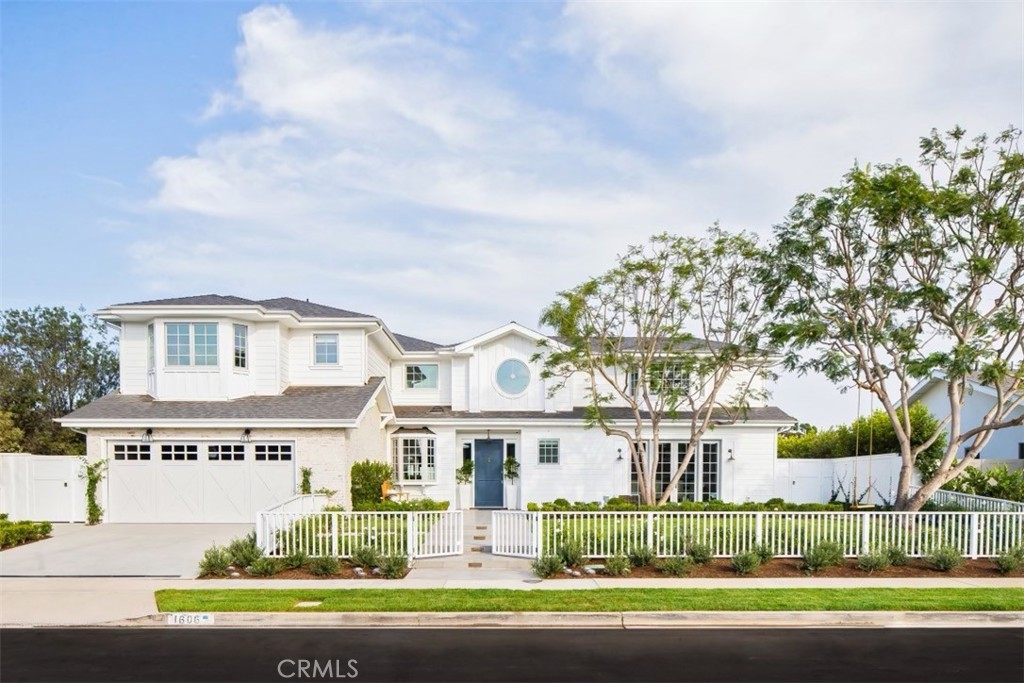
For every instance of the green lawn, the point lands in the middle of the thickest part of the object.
(597, 600)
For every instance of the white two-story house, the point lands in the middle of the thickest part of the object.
(224, 400)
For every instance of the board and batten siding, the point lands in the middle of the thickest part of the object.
(304, 372)
(483, 366)
(441, 395)
(133, 358)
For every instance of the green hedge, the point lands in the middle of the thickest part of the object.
(622, 505)
(415, 505)
(367, 478)
(17, 533)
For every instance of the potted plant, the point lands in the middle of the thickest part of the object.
(511, 472)
(464, 481)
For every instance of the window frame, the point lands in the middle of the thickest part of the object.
(420, 387)
(426, 455)
(191, 346)
(143, 452)
(545, 443)
(150, 347)
(244, 348)
(317, 363)
(279, 448)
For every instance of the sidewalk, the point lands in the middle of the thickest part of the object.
(91, 601)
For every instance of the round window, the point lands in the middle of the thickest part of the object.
(513, 376)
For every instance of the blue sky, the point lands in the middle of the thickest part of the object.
(450, 167)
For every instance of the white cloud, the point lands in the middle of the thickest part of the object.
(385, 173)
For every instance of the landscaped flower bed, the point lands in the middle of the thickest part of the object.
(242, 559)
(18, 533)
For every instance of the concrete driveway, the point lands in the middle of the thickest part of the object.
(119, 550)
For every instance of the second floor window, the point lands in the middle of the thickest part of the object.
(421, 377)
(191, 344)
(325, 349)
(241, 346)
(150, 347)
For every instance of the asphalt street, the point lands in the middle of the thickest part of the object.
(985, 655)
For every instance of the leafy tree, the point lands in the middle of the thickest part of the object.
(53, 361)
(895, 275)
(662, 333)
(11, 436)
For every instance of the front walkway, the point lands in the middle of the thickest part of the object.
(476, 563)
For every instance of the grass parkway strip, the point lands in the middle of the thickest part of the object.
(598, 600)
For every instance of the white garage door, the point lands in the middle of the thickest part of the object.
(197, 482)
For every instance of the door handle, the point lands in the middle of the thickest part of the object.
(65, 484)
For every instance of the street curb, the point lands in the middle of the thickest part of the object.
(621, 620)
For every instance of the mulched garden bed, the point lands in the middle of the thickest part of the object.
(793, 568)
(345, 572)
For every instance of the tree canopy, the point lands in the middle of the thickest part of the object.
(660, 333)
(898, 274)
(51, 362)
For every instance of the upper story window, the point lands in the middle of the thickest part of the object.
(421, 376)
(150, 347)
(325, 349)
(191, 344)
(512, 376)
(241, 346)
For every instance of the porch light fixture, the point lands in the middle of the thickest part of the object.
(147, 435)
(246, 435)
(620, 455)
(731, 456)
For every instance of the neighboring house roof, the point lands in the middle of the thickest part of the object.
(975, 385)
(300, 403)
(305, 309)
(427, 413)
(629, 343)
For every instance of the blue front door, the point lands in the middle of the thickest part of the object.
(487, 468)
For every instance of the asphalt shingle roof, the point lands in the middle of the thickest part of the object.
(306, 309)
(761, 414)
(296, 403)
(414, 344)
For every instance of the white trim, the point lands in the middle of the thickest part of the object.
(502, 331)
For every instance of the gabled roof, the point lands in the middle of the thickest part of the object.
(201, 300)
(498, 332)
(975, 385)
(768, 414)
(412, 344)
(299, 404)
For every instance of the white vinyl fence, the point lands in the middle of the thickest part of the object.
(42, 488)
(339, 534)
(973, 503)
(788, 534)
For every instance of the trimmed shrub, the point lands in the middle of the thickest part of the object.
(642, 556)
(1009, 562)
(243, 551)
(701, 553)
(367, 478)
(897, 556)
(547, 566)
(617, 565)
(297, 560)
(17, 533)
(324, 566)
(746, 563)
(824, 554)
(365, 556)
(393, 566)
(945, 558)
(215, 562)
(415, 505)
(264, 566)
(676, 565)
(764, 552)
(571, 554)
(873, 562)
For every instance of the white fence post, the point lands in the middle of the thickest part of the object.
(650, 530)
(759, 529)
(537, 541)
(865, 532)
(975, 530)
(410, 529)
(334, 534)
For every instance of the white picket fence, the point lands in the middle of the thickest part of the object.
(788, 534)
(973, 503)
(339, 534)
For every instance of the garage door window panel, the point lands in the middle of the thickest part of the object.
(179, 452)
(131, 452)
(226, 452)
(273, 452)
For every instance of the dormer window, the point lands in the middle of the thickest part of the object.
(422, 376)
(325, 349)
(191, 344)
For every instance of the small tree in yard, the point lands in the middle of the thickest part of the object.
(892, 277)
(662, 333)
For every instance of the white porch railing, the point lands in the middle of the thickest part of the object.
(339, 534)
(973, 503)
(788, 534)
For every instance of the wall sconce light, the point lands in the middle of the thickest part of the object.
(731, 456)
(620, 455)
(246, 435)
(147, 435)
(488, 434)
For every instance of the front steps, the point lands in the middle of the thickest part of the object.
(476, 562)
